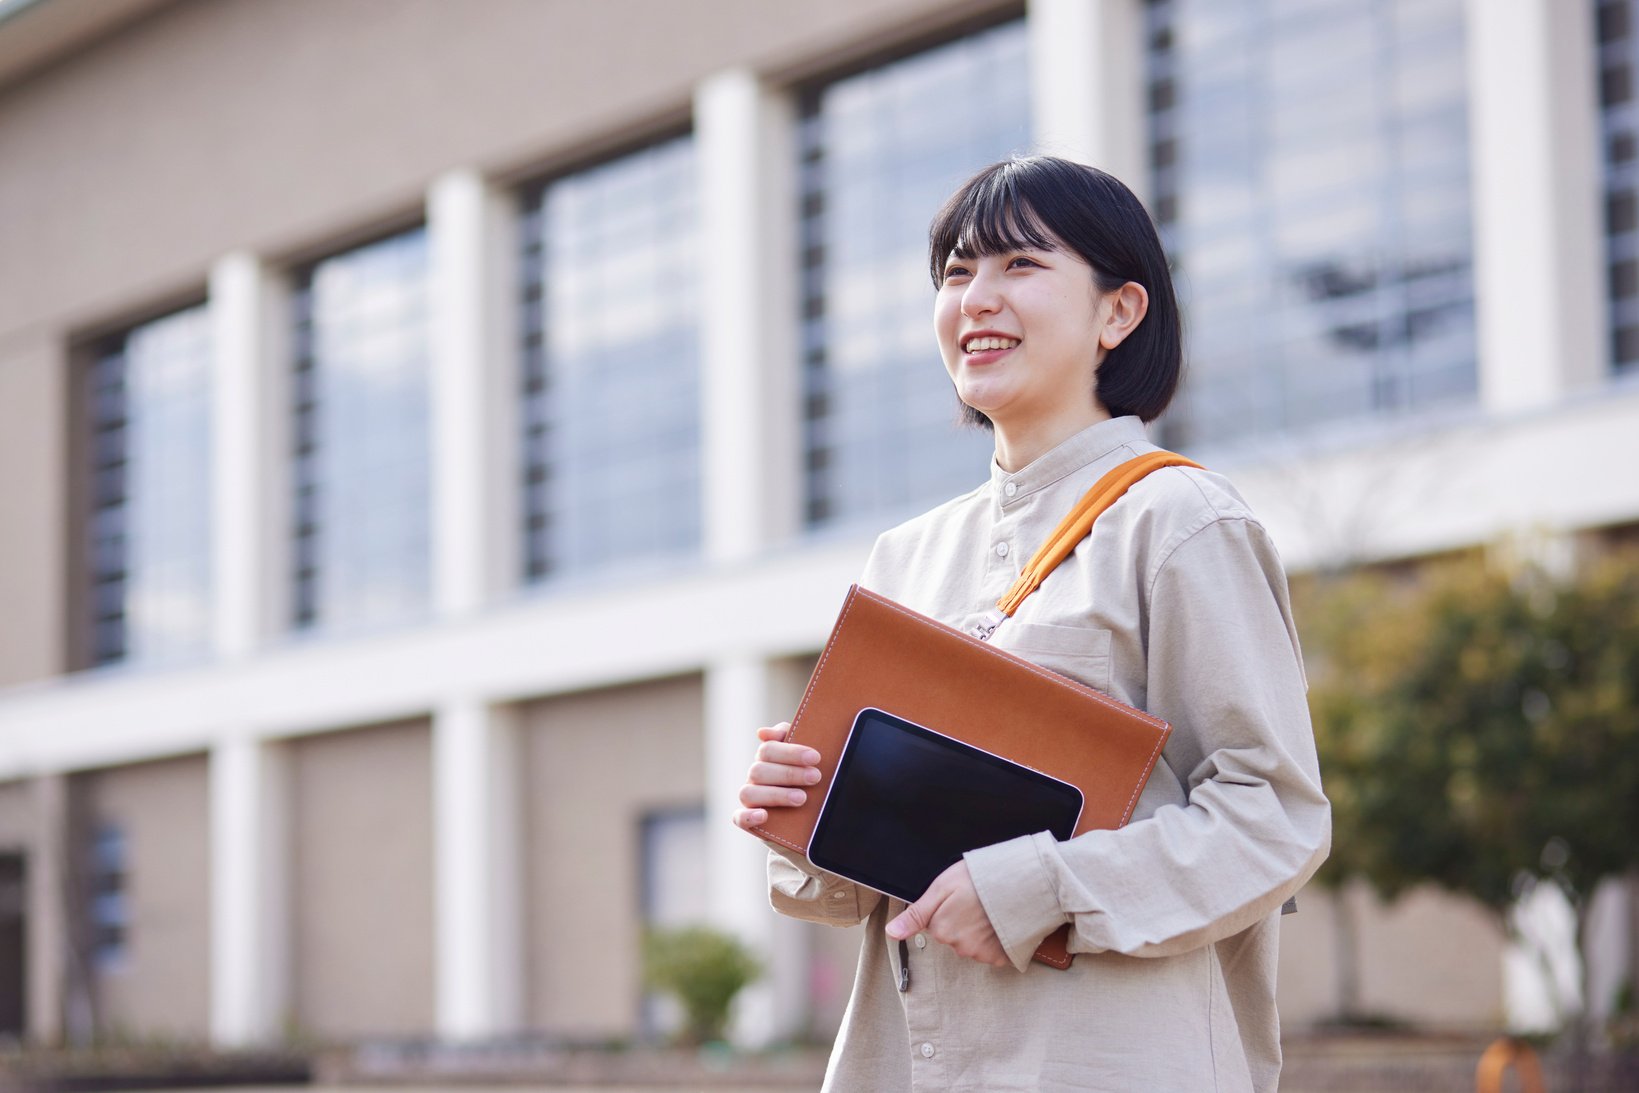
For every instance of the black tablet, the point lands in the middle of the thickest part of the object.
(906, 802)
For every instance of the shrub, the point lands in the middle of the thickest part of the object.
(703, 969)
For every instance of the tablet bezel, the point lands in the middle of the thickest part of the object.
(961, 748)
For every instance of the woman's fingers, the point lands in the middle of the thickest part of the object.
(776, 778)
(756, 796)
(794, 755)
(781, 774)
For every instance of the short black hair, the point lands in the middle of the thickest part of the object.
(1041, 202)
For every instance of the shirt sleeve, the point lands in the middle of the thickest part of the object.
(798, 889)
(1225, 670)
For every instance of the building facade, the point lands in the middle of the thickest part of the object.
(433, 437)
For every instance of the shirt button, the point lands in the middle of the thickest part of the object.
(839, 895)
(921, 941)
(1001, 550)
(927, 1051)
(1011, 488)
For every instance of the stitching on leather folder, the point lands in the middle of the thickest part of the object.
(803, 705)
(1051, 677)
(787, 843)
(1059, 681)
(825, 656)
(1133, 800)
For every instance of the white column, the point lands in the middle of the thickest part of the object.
(750, 427)
(1087, 98)
(250, 892)
(472, 380)
(741, 694)
(1538, 195)
(246, 463)
(479, 931)
(49, 927)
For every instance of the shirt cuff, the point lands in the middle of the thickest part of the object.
(1016, 888)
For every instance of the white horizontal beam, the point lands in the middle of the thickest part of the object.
(538, 646)
(1398, 494)
(1420, 489)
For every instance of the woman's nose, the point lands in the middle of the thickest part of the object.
(980, 297)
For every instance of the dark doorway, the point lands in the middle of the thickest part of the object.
(13, 945)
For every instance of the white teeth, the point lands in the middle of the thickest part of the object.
(979, 345)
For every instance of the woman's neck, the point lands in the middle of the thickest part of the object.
(1018, 444)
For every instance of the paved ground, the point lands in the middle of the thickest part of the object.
(485, 1088)
(1330, 1065)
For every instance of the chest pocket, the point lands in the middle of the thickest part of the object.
(1079, 652)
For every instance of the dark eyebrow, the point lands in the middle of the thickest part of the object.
(987, 223)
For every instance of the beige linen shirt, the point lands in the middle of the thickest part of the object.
(1177, 604)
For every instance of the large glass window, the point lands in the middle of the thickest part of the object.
(611, 398)
(881, 151)
(672, 845)
(1311, 181)
(361, 502)
(148, 410)
(109, 905)
(1618, 23)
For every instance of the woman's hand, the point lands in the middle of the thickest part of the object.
(950, 911)
(775, 777)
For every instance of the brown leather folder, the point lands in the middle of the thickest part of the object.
(883, 654)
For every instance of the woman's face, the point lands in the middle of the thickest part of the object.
(1019, 334)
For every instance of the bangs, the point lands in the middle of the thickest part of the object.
(990, 215)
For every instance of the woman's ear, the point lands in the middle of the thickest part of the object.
(1121, 311)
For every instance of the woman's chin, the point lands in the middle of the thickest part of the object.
(994, 409)
(988, 403)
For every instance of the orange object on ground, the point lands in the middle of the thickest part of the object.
(1495, 1061)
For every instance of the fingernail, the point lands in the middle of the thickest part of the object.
(894, 931)
(811, 757)
(797, 796)
(811, 775)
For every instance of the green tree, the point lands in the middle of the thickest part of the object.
(703, 969)
(1480, 725)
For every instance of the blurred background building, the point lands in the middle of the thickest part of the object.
(435, 435)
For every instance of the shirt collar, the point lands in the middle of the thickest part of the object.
(1068, 456)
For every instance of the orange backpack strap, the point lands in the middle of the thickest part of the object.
(1079, 523)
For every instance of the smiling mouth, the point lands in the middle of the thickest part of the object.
(980, 345)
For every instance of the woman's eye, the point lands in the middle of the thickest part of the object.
(1021, 262)
(955, 271)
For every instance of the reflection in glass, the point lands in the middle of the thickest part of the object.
(108, 905)
(148, 392)
(611, 396)
(1310, 166)
(1618, 45)
(360, 485)
(880, 151)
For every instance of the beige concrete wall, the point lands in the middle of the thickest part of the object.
(593, 765)
(833, 958)
(33, 498)
(1429, 958)
(361, 882)
(161, 988)
(16, 816)
(832, 952)
(1307, 980)
(228, 123)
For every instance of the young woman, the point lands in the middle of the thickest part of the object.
(1056, 319)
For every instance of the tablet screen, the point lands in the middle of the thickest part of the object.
(906, 803)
